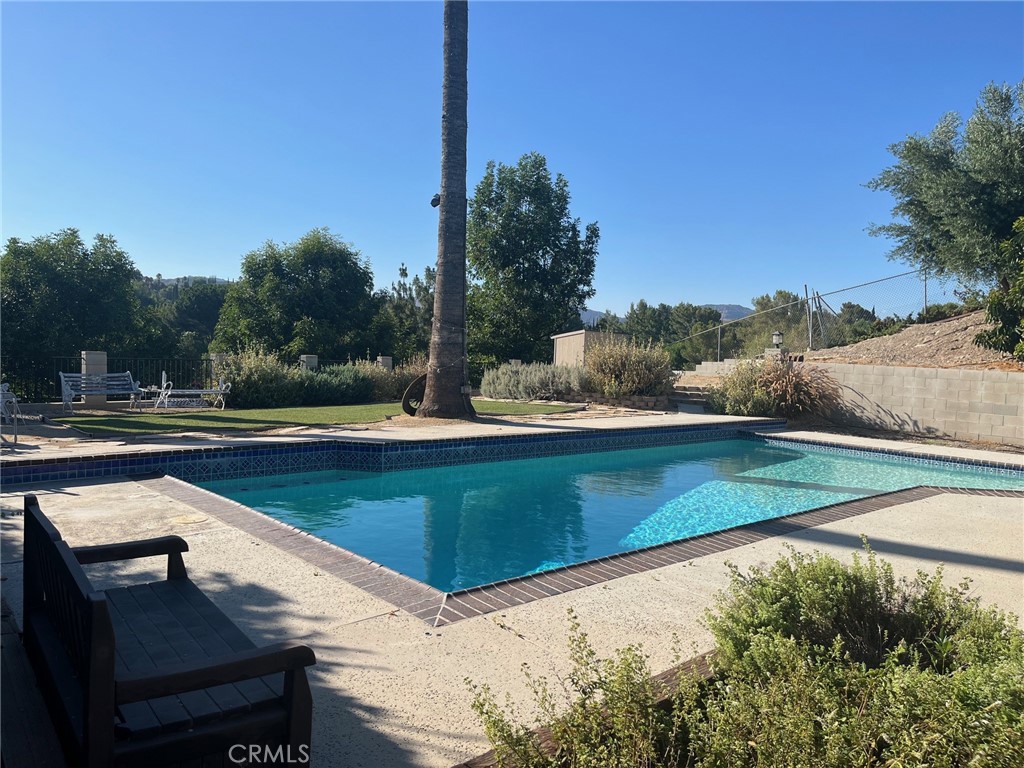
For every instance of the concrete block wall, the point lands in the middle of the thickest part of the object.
(965, 404)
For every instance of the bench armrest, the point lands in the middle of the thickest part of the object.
(219, 670)
(172, 546)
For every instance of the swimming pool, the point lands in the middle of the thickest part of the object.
(461, 526)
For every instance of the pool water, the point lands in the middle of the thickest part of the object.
(463, 526)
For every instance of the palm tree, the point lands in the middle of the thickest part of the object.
(447, 387)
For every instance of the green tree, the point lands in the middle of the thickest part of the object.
(314, 296)
(645, 322)
(958, 192)
(405, 315)
(532, 266)
(196, 312)
(60, 297)
(1005, 308)
(447, 386)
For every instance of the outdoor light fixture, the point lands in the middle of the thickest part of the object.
(777, 338)
(435, 201)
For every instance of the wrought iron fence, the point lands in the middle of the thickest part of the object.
(39, 381)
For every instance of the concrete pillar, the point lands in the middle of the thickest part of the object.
(309, 362)
(217, 360)
(515, 363)
(94, 362)
(384, 361)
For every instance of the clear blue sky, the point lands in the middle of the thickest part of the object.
(722, 147)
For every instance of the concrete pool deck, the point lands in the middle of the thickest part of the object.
(389, 688)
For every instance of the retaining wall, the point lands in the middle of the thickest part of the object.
(952, 402)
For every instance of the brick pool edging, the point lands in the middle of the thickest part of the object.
(438, 608)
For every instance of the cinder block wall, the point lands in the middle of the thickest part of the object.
(964, 404)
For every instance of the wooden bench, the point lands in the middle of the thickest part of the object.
(153, 674)
(169, 392)
(73, 385)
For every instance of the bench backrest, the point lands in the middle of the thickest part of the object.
(99, 383)
(68, 624)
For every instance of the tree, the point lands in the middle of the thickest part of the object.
(958, 193)
(1005, 308)
(405, 314)
(532, 267)
(196, 312)
(447, 387)
(647, 323)
(60, 297)
(309, 297)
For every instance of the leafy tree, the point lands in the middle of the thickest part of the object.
(314, 296)
(1005, 308)
(958, 192)
(447, 386)
(647, 323)
(608, 323)
(60, 297)
(196, 311)
(532, 265)
(782, 311)
(405, 315)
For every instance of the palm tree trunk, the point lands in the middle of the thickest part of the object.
(447, 394)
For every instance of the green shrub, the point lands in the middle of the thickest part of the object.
(608, 715)
(333, 385)
(535, 381)
(259, 379)
(622, 369)
(390, 384)
(817, 599)
(775, 388)
(819, 664)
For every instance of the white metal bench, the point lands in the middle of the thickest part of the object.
(73, 385)
(169, 392)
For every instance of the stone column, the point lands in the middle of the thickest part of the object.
(94, 362)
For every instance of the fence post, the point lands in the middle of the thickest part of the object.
(94, 362)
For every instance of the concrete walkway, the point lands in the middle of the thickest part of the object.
(389, 690)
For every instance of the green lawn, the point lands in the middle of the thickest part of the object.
(271, 418)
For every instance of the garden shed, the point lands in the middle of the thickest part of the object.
(571, 348)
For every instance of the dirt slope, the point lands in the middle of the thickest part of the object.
(945, 344)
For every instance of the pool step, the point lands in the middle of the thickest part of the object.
(687, 399)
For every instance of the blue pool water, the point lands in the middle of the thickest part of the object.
(462, 526)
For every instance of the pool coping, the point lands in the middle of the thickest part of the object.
(437, 608)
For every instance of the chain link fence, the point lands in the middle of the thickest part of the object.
(814, 319)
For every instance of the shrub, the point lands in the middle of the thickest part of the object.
(535, 381)
(623, 369)
(609, 715)
(259, 379)
(818, 600)
(819, 665)
(332, 385)
(390, 385)
(776, 388)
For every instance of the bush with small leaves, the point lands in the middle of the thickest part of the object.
(535, 381)
(626, 369)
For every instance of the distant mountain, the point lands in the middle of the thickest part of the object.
(731, 311)
(589, 317)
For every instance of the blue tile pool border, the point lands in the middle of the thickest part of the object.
(996, 468)
(199, 465)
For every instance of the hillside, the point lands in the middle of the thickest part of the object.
(945, 344)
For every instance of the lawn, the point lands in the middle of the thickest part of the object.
(272, 418)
